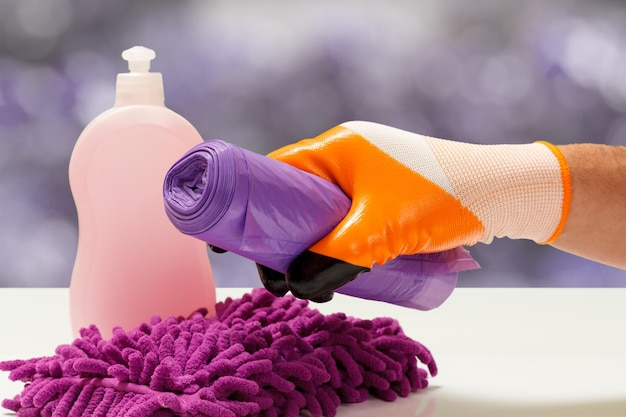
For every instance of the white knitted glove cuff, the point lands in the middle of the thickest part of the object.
(517, 191)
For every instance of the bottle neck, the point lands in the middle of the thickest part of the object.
(143, 88)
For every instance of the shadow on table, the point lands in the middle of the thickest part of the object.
(430, 404)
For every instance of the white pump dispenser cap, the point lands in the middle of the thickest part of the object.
(138, 58)
(139, 86)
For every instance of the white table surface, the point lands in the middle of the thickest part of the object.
(500, 352)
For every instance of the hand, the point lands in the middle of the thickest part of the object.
(275, 281)
(415, 194)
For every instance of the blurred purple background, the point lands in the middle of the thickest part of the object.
(265, 74)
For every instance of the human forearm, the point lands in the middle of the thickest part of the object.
(596, 225)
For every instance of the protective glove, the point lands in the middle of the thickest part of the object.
(416, 194)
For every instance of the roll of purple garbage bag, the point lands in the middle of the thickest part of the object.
(270, 212)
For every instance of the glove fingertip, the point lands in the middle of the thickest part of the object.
(314, 277)
(216, 249)
(324, 298)
(273, 281)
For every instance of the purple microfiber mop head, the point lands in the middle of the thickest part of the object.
(259, 356)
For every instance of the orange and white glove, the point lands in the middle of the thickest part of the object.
(415, 194)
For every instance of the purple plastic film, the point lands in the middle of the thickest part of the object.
(270, 212)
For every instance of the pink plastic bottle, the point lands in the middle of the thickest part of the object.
(131, 262)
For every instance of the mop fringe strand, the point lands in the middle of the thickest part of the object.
(260, 356)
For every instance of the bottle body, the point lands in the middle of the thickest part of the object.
(131, 262)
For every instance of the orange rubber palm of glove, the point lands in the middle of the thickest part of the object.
(414, 194)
